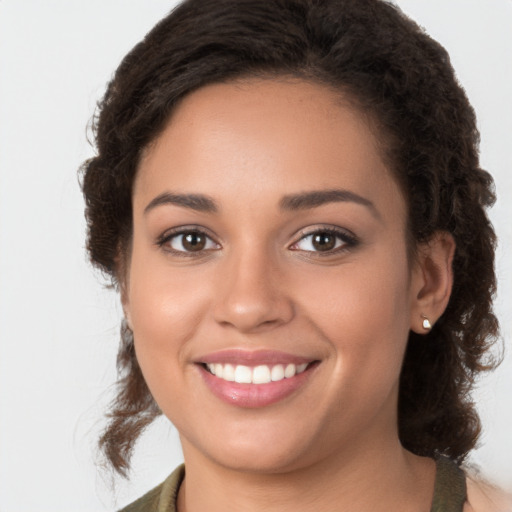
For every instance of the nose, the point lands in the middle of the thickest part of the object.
(253, 295)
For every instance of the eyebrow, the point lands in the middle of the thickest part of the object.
(316, 198)
(197, 202)
(293, 202)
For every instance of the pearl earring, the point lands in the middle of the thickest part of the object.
(426, 323)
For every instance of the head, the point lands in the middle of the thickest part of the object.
(381, 66)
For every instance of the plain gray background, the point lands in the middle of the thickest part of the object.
(59, 327)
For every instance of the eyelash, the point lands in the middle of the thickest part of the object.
(347, 239)
(167, 237)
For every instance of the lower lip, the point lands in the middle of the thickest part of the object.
(254, 395)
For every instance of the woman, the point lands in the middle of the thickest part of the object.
(289, 198)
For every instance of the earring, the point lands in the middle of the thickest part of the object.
(426, 323)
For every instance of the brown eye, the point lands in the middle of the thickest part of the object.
(329, 241)
(323, 241)
(190, 241)
(194, 242)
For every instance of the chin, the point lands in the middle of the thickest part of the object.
(264, 450)
(253, 461)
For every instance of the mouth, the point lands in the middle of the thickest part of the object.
(255, 379)
(261, 374)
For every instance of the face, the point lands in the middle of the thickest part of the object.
(268, 286)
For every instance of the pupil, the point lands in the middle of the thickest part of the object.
(324, 241)
(194, 242)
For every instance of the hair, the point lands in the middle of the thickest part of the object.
(368, 50)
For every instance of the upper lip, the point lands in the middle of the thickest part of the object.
(253, 357)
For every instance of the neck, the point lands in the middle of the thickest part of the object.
(380, 477)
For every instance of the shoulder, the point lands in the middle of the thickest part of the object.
(147, 503)
(485, 497)
(162, 497)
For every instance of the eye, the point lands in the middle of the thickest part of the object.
(187, 241)
(324, 241)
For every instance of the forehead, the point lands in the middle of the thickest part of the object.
(265, 138)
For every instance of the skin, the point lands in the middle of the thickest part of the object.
(259, 283)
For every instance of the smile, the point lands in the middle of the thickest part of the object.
(261, 374)
(252, 379)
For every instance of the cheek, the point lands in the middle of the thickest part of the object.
(165, 308)
(363, 311)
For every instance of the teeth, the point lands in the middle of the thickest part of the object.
(261, 374)
(277, 373)
(218, 370)
(290, 370)
(228, 373)
(243, 374)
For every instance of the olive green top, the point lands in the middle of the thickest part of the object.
(449, 491)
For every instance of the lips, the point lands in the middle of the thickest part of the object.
(254, 379)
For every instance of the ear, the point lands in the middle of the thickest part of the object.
(123, 287)
(126, 305)
(431, 281)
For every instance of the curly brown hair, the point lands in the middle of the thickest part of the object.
(394, 71)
